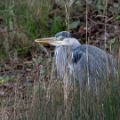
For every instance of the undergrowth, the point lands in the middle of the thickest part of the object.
(21, 22)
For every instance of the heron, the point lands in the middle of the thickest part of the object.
(87, 64)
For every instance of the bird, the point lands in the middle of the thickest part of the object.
(87, 64)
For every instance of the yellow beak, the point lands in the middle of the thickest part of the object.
(50, 40)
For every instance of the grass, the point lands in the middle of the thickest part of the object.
(23, 22)
(41, 97)
(50, 104)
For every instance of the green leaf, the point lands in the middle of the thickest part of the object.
(74, 24)
(37, 60)
(42, 72)
(117, 17)
(112, 41)
(116, 5)
(3, 101)
(5, 78)
(90, 2)
(100, 7)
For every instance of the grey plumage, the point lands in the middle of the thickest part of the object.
(100, 64)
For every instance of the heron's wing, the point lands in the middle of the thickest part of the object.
(86, 68)
(96, 64)
(96, 57)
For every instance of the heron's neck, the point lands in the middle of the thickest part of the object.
(75, 46)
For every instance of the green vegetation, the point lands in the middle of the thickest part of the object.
(23, 22)
(50, 104)
(29, 89)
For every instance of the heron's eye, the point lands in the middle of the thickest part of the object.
(60, 38)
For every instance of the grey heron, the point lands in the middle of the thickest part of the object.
(83, 61)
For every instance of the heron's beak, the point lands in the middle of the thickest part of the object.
(51, 40)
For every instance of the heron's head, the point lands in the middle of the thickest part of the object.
(64, 34)
(62, 38)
